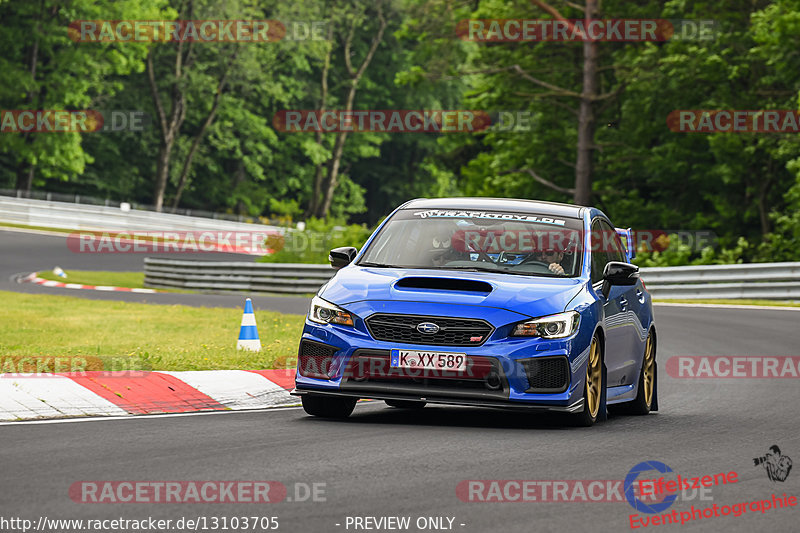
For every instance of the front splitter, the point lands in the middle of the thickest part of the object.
(572, 408)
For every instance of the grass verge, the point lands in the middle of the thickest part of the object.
(148, 337)
(36, 228)
(133, 280)
(771, 303)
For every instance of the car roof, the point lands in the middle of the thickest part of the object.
(500, 204)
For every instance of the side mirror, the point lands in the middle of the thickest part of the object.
(341, 257)
(617, 273)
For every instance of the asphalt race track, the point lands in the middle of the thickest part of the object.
(388, 462)
(30, 252)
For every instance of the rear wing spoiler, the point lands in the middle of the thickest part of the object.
(626, 235)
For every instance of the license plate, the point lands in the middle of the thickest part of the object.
(428, 360)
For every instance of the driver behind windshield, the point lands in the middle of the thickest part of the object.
(552, 258)
(441, 250)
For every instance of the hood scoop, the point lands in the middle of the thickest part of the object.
(444, 284)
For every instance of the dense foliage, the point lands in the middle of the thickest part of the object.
(218, 148)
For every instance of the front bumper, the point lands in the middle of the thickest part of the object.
(575, 407)
(499, 372)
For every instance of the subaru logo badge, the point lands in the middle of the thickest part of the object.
(428, 327)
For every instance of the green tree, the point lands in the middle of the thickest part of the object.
(347, 22)
(44, 69)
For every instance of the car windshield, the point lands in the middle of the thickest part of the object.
(493, 241)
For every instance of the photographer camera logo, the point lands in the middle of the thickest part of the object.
(777, 466)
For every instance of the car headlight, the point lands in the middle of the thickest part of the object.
(323, 312)
(549, 327)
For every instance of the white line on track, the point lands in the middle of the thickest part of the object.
(289, 407)
(728, 306)
(142, 417)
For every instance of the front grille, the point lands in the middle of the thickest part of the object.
(314, 359)
(452, 331)
(547, 374)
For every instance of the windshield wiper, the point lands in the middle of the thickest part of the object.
(472, 268)
(497, 270)
(378, 265)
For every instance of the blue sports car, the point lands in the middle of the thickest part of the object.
(484, 302)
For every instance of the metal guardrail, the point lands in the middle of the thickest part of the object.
(774, 281)
(107, 202)
(286, 278)
(777, 281)
(65, 215)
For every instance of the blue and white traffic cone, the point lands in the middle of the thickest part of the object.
(248, 334)
(59, 272)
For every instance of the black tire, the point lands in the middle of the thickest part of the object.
(594, 390)
(328, 406)
(642, 405)
(405, 404)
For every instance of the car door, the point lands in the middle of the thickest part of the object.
(624, 302)
(611, 308)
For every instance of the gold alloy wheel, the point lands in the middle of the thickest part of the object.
(594, 379)
(649, 369)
